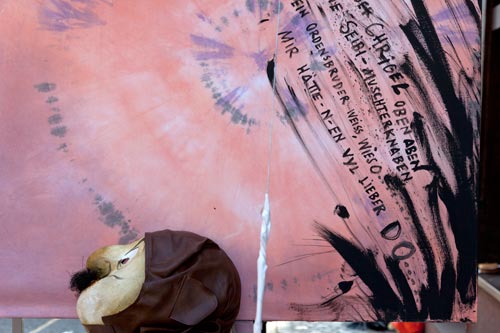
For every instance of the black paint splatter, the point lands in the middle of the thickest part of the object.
(345, 286)
(341, 211)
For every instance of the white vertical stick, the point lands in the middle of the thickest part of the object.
(266, 211)
(261, 263)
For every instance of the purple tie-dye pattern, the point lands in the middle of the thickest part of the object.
(460, 11)
(203, 17)
(62, 15)
(232, 97)
(457, 36)
(261, 58)
(218, 50)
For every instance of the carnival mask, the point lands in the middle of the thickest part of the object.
(169, 281)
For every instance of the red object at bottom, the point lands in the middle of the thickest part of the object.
(409, 327)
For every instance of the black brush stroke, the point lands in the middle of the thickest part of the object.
(447, 290)
(410, 310)
(386, 303)
(474, 13)
(438, 184)
(438, 127)
(462, 206)
(431, 295)
(344, 286)
(432, 303)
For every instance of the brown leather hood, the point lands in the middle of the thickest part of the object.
(191, 285)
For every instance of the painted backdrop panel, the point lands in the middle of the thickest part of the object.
(121, 117)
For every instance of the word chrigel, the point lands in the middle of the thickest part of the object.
(382, 47)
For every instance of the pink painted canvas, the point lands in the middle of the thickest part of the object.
(360, 119)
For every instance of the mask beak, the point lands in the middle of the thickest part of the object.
(105, 260)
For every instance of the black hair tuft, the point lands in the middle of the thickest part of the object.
(82, 280)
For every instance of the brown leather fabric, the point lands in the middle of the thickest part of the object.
(191, 285)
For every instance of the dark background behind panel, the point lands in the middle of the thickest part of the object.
(489, 205)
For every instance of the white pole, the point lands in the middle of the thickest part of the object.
(261, 264)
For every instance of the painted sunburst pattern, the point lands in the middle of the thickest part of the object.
(233, 46)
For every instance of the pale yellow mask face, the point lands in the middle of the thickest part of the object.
(121, 270)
